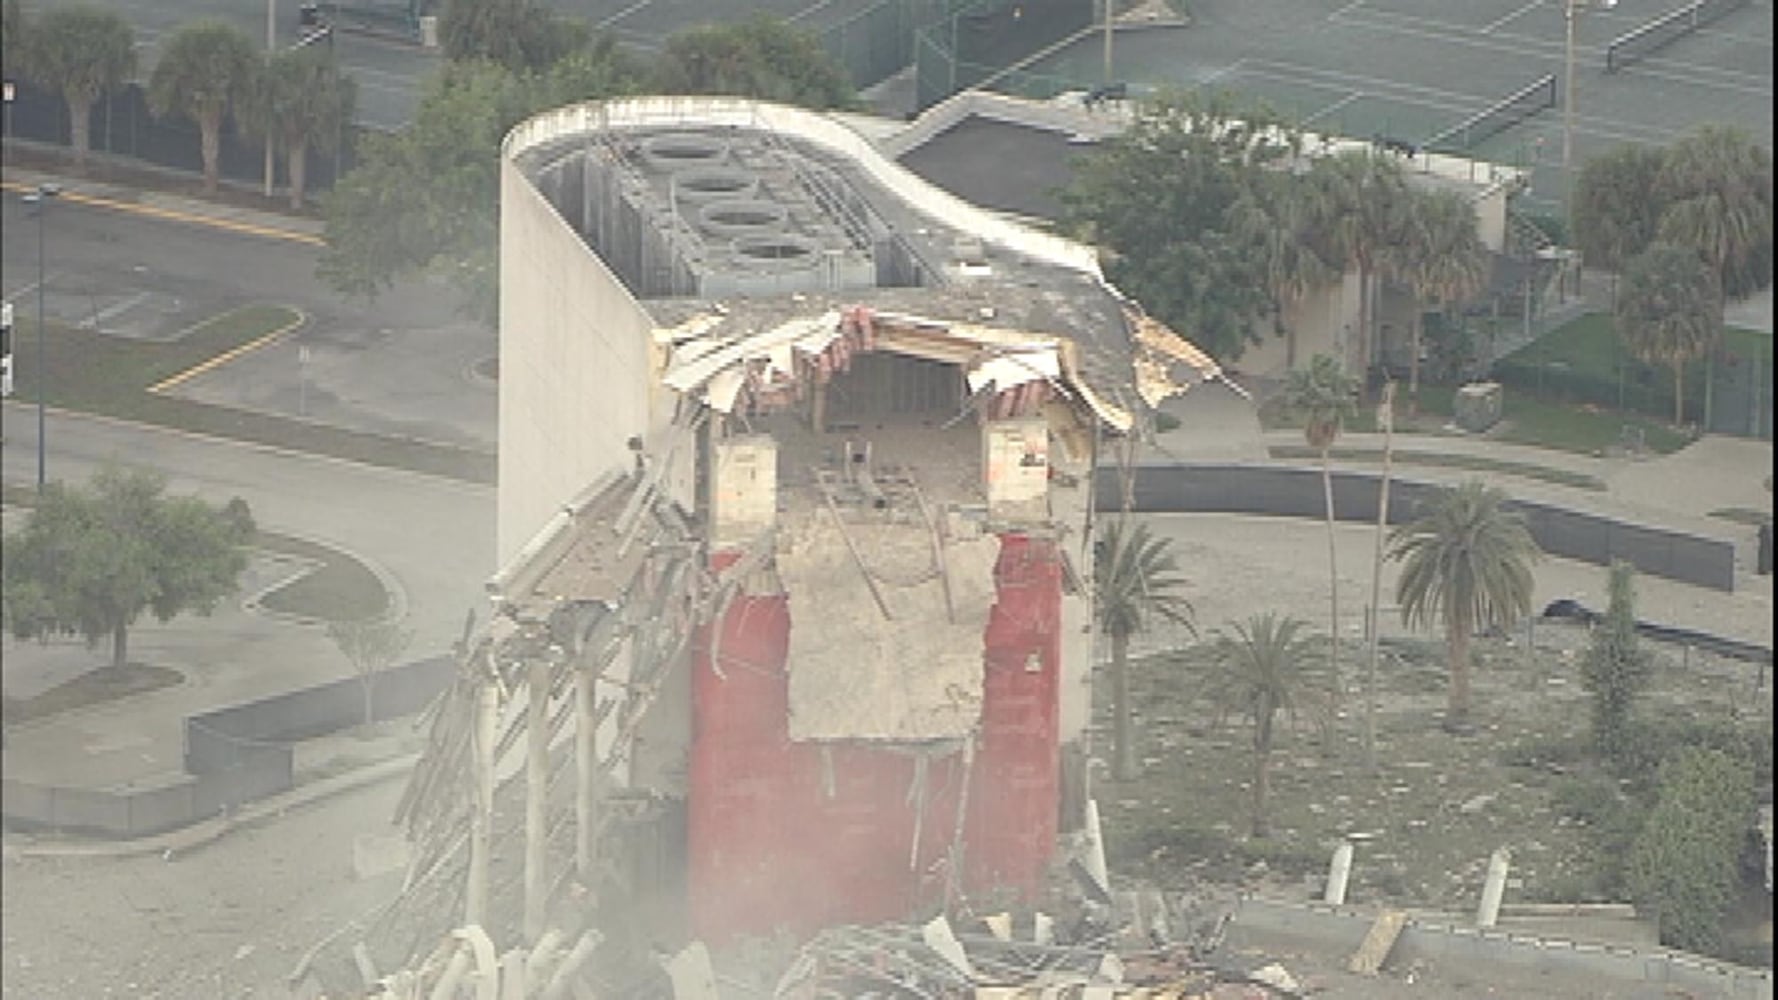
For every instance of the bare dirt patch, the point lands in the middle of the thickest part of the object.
(92, 688)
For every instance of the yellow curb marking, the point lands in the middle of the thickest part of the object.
(176, 216)
(232, 353)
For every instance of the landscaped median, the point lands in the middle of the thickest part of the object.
(93, 372)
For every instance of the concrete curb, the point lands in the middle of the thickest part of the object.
(179, 842)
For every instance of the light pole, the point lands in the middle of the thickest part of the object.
(40, 198)
(271, 49)
(1569, 7)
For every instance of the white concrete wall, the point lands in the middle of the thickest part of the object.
(1321, 320)
(574, 357)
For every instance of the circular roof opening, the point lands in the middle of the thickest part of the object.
(671, 152)
(741, 216)
(714, 182)
(780, 248)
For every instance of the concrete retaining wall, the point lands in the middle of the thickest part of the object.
(232, 756)
(1295, 492)
(1454, 948)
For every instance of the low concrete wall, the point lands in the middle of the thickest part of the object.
(1294, 492)
(1451, 947)
(232, 756)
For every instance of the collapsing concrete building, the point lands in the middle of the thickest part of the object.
(794, 477)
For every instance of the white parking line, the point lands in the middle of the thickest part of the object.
(620, 15)
(21, 293)
(1349, 8)
(1522, 11)
(1335, 106)
(129, 302)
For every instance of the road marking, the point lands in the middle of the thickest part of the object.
(21, 293)
(229, 355)
(620, 15)
(129, 302)
(153, 211)
(1343, 11)
(1335, 106)
(1229, 70)
(1522, 11)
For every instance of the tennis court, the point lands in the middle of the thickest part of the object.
(1413, 69)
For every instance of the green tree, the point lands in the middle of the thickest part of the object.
(1324, 397)
(1158, 199)
(369, 645)
(304, 101)
(80, 52)
(1359, 200)
(516, 34)
(1442, 261)
(763, 56)
(1465, 562)
(1266, 667)
(1135, 581)
(205, 69)
(90, 560)
(426, 199)
(1684, 863)
(1616, 209)
(1615, 670)
(1277, 216)
(1669, 311)
(1716, 186)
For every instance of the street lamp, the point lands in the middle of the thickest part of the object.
(1569, 8)
(40, 198)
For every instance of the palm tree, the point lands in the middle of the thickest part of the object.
(1277, 218)
(304, 102)
(205, 68)
(1357, 202)
(1135, 580)
(1466, 562)
(1615, 217)
(81, 52)
(1717, 186)
(1324, 397)
(1441, 259)
(1267, 666)
(1669, 312)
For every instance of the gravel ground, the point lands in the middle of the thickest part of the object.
(228, 920)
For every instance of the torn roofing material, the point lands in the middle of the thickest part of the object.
(770, 348)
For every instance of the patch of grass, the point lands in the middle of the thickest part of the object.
(1584, 429)
(91, 688)
(1477, 463)
(1742, 515)
(92, 372)
(340, 589)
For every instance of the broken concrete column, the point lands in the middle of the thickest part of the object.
(1493, 889)
(1337, 873)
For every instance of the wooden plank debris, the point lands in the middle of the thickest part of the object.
(1371, 955)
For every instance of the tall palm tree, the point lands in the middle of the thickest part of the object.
(206, 68)
(1669, 312)
(1324, 397)
(304, 102)
(1441, 259)
(1717, 187)
(1357, 200)
(1615, 217)
(1266, 667)
(80, 52)
(1135, 581)
(1467, 563)
(1277, 217)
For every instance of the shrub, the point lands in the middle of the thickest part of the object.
(1684, 863)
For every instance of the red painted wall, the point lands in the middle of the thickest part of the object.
(783, 834)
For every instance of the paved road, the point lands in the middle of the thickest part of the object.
(434, 536)
(403, 365)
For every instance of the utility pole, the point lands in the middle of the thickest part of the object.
(1110, 9)
(1386, 417)
(271, 48)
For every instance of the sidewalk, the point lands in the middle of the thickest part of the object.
(193, 210)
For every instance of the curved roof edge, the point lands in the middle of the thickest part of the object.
(822, 130)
